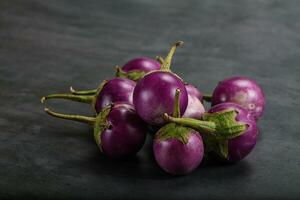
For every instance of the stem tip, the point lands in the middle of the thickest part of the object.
(43, 99)
(72, 89)
(178, 43)
(48, 111)
(117, 68)
(166, 117)
(159, 59)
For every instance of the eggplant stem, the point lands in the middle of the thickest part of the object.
(78, 118)
(119, 72)
(72, 97)
(176, 109)
(82, 92)
(202, 126)
(165, 66)
(207, 97)
(159, 59)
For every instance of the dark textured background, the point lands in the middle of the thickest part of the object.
(46, 46)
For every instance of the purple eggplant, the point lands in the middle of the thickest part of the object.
(177, 149)
(231, 130)
(195, 108)
(118, 130)
(134, 70)
(154, 93)
(111, 91)
(178, 154)
(239, 147)
(242, 91)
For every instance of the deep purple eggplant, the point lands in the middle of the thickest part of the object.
(111, 91)
(118, 130)
(242, 91)
(154, 93)
(195, 108)
(231, 133)
(177, 149)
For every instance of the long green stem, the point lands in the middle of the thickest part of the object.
(176, 109)
(82, 92)
(159, 59)
(167, 61)
(79, 118)
(202, 126)
(72, 97)
(207, 97)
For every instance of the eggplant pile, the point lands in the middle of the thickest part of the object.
(146, 93)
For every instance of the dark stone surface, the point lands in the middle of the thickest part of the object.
(46, 46)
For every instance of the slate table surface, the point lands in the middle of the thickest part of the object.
(47, 46)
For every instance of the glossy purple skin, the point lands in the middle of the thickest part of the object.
(193, 91)
(143, 63)
(127, 135)
(243, 91)
(154, 95)
(241, 146)
(115, 90)
(195, 108)
(178, 158)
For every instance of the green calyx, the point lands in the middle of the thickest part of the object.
(222, 125)
(212, 144)
(226, 125)
(134, 75)
(222, 148)
(173, 130)
(216, 129)
(101, 124)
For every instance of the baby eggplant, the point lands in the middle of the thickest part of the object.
(242, 91)
(177, 149)
(111, 91)
(154, 93)
(118, 130)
